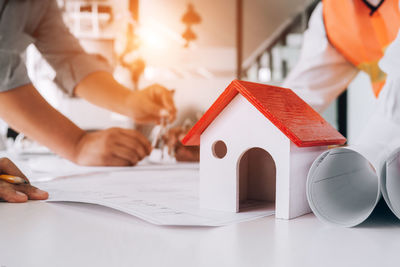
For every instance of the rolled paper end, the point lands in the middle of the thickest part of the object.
(342, 187)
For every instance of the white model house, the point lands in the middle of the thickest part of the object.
(257, 143)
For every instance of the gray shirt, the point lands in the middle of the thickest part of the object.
(24, 22)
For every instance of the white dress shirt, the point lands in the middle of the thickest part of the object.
(389, 98)
(322, 73)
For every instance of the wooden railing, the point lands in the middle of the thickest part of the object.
(295, 24)
(256, 61)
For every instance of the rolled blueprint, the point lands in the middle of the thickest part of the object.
(343, 187)
(344, 184)
(390, 181)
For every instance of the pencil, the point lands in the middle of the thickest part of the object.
(13, 179)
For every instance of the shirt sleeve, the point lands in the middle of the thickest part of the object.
(389, 98)
(63, 51)
(322, 73)
(13, 42)
(13, 72)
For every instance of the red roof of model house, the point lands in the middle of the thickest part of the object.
(294, 117)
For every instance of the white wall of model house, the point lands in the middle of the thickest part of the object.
(226, 182)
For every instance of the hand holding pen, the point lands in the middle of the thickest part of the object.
(14, 186)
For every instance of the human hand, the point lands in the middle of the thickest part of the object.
(177, 149)
(17, 193)
(187, 153)
(112, 147)
(147, 105)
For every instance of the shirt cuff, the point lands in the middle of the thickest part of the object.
(77, 68)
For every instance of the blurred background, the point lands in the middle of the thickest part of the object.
(195, 47)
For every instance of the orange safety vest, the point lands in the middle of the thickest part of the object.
(362, 35)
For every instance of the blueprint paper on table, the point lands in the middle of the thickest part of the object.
(49, 167)
(344, 184)
(160, 196)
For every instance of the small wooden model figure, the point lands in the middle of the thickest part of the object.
(257, 143)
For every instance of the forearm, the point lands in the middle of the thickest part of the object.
(143, 106)
(101, 89)
(25, 110)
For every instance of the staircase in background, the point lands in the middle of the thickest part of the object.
(276, 56)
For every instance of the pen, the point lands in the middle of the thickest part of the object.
(13, 179)
(162, 131)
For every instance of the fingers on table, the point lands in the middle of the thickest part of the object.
(132, 138)
(17, 193)
(9, 194)
(126, 154)
(32, 192)
(128, 148)
(20, 193)
(188, 154)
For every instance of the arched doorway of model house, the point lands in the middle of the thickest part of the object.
(256, 178)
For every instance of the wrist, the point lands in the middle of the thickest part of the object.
(121, 99)
(77, 142)
(130, 103)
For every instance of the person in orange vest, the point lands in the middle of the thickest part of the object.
(343, 38)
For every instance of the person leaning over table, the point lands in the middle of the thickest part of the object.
(79, 74)
(343, 37)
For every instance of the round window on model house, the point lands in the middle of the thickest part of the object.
(219, 149)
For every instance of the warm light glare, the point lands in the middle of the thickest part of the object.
(149, 73)
(151, 38)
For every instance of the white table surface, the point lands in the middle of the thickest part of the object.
(56, 234)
